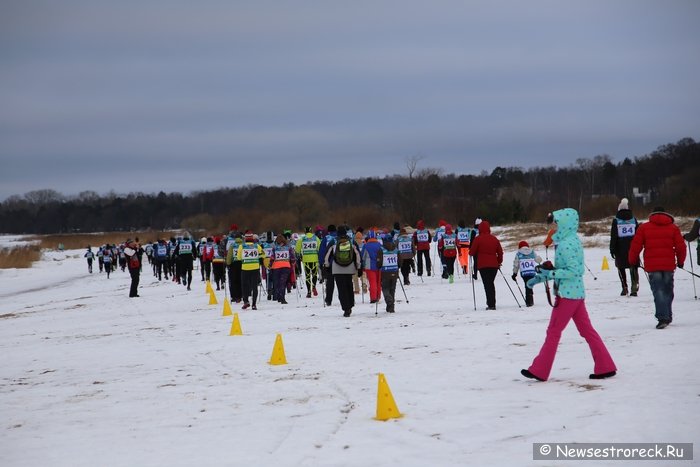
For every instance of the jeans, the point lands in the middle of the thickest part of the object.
(662, 288)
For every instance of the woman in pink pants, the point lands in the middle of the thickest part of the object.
(570, 301)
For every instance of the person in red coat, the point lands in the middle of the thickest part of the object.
(488, 253)
(664, 249)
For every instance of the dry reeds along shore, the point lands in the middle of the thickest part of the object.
(23, 256)
(19, 257)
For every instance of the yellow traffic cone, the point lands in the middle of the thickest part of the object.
(236, 326)
(605, 266)
(386, 407)
(278, 357)
(209, 288)
(212, 298)
(227, 308)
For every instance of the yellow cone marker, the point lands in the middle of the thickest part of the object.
(236, 326)
(227, 308)
(209, 288)
(212, 298)
(386, 406)
(278, 357)
(605, 266)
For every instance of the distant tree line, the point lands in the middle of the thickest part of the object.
(668, 176)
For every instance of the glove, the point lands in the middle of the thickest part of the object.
(514, 277)
(534, 281)
(359, 273)
(546, 266)
(680, 265)
(612, 255)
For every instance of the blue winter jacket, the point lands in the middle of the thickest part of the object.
(568, 259)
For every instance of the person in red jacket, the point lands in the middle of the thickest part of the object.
(422, 238)
(664, 249)
(488, 254)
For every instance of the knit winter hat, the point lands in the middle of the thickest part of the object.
(342, 231)
(477, 221)
(522, 244)
(624, 204)
(249, 236)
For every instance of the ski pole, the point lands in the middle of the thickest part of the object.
(521, 291)
(323, 287)
(404, 290)
(691, 273)
(509, 288)
(589, 270)
(690, 257)
(473, 291)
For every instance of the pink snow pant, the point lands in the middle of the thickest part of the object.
(565, 310)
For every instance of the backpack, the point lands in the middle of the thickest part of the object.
(134, 261)
(344, 254)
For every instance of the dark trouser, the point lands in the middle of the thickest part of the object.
(201, 268)
(346, 295)
(389, 289)
(207, 270)
(218, 269)
(311, 273)
(488, 276)
(443, 263)
(330, 286)
(108, 268)
(280, 277)
(135, 273)
(234, 281)
(162, 267)
(90, 265)
(421, 254)
(406, 269)
(186, 266)
(529, 295)
(101, 263)
(449, 266)
(661, 283)
(249, 285)
(634, 276)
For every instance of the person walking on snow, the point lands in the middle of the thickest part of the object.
(488, 257)
(359, 283)
(369, 253)
(407, 250)
(567, 272)
(134, 264)
(525, 262)
(281, 264)
(422, 238)
(694, 234)
(624, 225)
(343, 261)
(307, 248)
(464, 236)
(90, 256)
(326, 273)
(388, 262)
(250, 254)
(447, 245)
(664, 249)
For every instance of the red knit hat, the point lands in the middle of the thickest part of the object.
(522, 244)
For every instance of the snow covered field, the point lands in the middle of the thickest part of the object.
(93, 378)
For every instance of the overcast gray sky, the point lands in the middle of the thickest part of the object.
(194, 95)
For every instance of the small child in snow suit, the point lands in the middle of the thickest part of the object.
(524, 262)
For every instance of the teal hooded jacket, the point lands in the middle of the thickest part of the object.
(568, 260)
